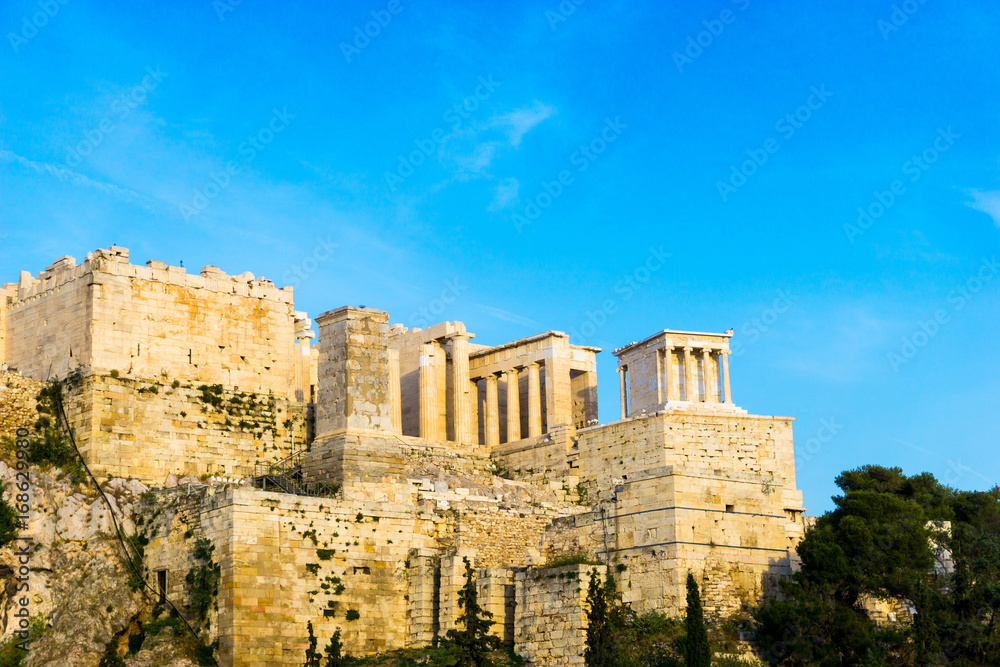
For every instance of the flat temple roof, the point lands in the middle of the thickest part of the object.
(620, 350)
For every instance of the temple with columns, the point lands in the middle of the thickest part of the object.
(383, 456)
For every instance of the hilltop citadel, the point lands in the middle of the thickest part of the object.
(438, 447)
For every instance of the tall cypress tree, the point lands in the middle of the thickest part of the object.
(473, 645)
(312, 654)
(599, 640)
(697, 652)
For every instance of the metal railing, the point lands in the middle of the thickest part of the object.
(285, 476)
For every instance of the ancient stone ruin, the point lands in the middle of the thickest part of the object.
(342, 480)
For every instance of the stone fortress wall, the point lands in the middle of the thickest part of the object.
(443, 449)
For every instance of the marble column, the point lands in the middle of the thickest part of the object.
(395, 399)
(689, 389)
(706, 364)
(623, 384)
(724, 358)
(513, 405)
(668, 372)
(428, 392)
(460, 399)
(534, 401)
(492, 421)
(659, 377)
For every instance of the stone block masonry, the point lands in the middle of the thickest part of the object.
(550, 623)
(147, 429)
(107, 314)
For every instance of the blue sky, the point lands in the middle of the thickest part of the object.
(519, 166)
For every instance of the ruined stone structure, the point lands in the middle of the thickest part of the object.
(442, 449)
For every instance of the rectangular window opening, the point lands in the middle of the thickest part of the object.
(161, 585)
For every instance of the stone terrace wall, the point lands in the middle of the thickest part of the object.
(276, 575)
(17, 402)
(107, 314)
(550, 619)
(691, 440)
(128, 427)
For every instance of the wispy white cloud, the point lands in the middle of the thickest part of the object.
(474, 149)
(76, 178)
(507, 316)
(519, 122)
(505, 194)
(987, 202)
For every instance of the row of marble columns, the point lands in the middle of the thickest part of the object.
(491, 418)
(665, 379)
(459, 397)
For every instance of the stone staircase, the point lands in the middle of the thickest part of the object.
(285, 476)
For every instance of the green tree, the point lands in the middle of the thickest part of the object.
(697, 652)
(9, 522)
(599, 650)
(887, 539)
(334, 652)
(471, 646)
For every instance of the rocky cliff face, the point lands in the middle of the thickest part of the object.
(77, 574)
(79, 590)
